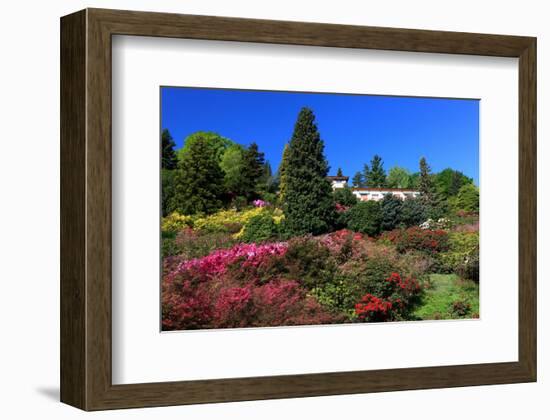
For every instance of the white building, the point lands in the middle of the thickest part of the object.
(377, 194)
(338, 181)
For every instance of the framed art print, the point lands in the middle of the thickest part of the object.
(262, 209)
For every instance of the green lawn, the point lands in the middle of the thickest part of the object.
(442, 292)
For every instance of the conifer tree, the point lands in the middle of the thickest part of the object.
(169, 159)
(426, 185)
(339, 172)
(308, 203)
(199, 180)
(358, 180)
(376, 176)
(252, 170)
(434, 203)
(366, 175)
(282, 173)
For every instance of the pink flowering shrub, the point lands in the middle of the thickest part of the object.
(260, 203)
(217, 262)
(207, 292)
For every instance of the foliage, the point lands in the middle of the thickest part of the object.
(344, 196)
(308, 260)
(227, 220)
(216, 142)
(449, 181)
(441, 223)
(252, 171)
(365, 217)
(467, 198)
(358, 180)
(460, 308)
(198, 293)
(375, 177)
(168, 180)
(413, 212)
(169, 159)
(426, 185)
(391, 207)
(395, 299)
(308, 204)
(175, 222)
(339, 172)
(190, 243)
(462, 256)
(259, 229)
(441, 292)
(415, 238)
(199, 179)
(399, 177)
(282, 173)
(232, 166)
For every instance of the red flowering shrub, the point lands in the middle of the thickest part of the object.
(280, 302)
(185, 305)
(374, 309)
(415, 238)
(394, 300)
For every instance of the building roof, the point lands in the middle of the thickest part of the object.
(338, 178)
(384, 189)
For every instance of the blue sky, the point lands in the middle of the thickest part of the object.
(353, 127)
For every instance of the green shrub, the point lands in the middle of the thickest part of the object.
(259, 228)
(336, 297)
(168, 244)
(462, 257)
(460, 308)
(345, 197)
(309, 262)
(368, 275)
(365, 217)
(391, 207)
(413, 212)
(467, 199)
(191, 244)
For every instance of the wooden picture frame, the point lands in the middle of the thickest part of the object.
(86, 361)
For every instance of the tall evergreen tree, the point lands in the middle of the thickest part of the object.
(339, 172)
(308, 203)
(358, 180)
(376, 176)
(252, 171)
(282, 173)
(366, 175)
(426, 184)
(199, 180)
(169, 159)
(434, 202)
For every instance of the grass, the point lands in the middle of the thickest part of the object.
(443, 291)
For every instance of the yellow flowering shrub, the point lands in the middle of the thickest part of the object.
(227, 219)
(175, 222)
(278, 216)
